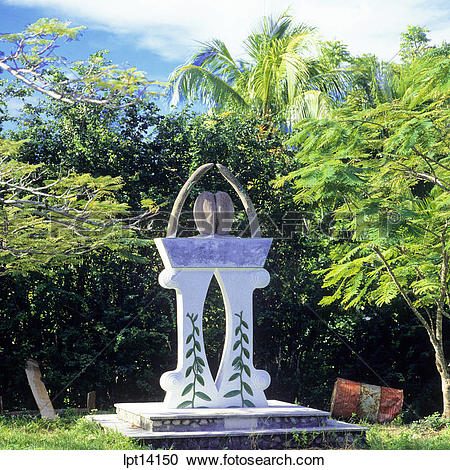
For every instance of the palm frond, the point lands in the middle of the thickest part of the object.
(192, 82)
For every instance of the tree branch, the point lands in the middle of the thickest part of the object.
(416, 312)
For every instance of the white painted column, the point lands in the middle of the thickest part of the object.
(191, 384)
(238, 382)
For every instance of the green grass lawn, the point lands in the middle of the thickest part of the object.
(67, 432)
(430, 433)
(75, 432)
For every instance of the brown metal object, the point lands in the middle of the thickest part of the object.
(390, 404)
(90, 402)
(371, 402)
(205, 212)
(344, 400)
(39, 391)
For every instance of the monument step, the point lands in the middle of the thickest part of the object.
(332, 433)
(278, 415)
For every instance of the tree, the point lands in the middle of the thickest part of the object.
(52, 220)
(47, 215)
(31, 60)
(414, 43)
(385, 175)
(280, 79)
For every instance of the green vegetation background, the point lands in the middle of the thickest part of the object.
(102, 322)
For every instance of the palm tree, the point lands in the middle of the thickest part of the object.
(281, 77)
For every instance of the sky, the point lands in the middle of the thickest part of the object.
(156, 36)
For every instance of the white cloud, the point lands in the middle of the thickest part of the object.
(171, 27)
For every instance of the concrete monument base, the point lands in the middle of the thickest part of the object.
(279, 426)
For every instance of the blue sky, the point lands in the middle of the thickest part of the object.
(156, 36)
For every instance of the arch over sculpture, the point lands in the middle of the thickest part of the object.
(172, 227)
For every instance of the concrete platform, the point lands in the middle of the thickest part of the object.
(279, 426)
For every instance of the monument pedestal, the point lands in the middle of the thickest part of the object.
(280, 425)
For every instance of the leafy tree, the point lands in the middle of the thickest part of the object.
(385, 175)
(414, 43)
(29, 57)
(50, 214)
(280, 79)
(372, 82)
(55, 219)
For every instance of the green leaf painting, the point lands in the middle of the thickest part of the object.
(196, 368)
(242, 370)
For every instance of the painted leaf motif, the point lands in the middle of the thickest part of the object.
(247, 370)
(196, 317)
(187, 389)
(203, 396)
(184, 404)
(249, 403)
(197, 345)
(236, 331)
(233, 393)
(246, 354)
(236, 345)
(188, 371)
(200, 380)
(248, 389)
(201, 361)
(189, 338)
(196, 329)
(245, 324)
(189, 353)
(245, 338)
(235, 360)
(233, 377)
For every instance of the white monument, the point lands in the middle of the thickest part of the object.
(231, 410)
(237, 264)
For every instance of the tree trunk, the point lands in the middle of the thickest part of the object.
(442, 367)
(446, 396)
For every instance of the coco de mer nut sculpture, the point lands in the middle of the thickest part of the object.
(237, 263)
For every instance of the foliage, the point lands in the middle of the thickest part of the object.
(66, 432)
(104, 323)
(281, 78)
(51, 220)
(372, 83)
(384, 174)
(404, 437)
(434, 422)
(414, 43)
(32, 61)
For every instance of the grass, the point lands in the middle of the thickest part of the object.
(430, 433)
(67, 432)
(76, 433)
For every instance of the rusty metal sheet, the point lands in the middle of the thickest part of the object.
(390, 404)
(371, 402)
(345, 398)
